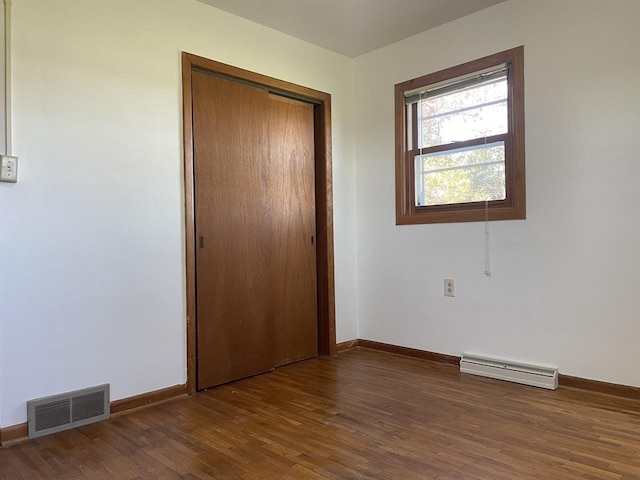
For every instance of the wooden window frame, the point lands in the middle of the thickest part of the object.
(511, 208)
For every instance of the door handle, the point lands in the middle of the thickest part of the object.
(201, 241)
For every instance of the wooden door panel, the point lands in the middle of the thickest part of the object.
(254, 181)
(291, 156)
(233, 274)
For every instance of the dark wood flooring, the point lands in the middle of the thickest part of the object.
(359, 415)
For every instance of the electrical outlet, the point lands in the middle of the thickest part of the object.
(449, 287)
(9, 169)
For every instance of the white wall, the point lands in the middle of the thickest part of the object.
(565, 282)
(92, 237)
(92, 264)
(3, 149)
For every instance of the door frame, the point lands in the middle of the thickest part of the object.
(324, 199)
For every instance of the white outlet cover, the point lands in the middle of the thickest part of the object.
(449, 287)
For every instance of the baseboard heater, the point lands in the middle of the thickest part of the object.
(534, 375)
(56, 413)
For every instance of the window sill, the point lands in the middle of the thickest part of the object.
(459, 213)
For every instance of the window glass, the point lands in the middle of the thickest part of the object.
(464, 115)
(471, 174)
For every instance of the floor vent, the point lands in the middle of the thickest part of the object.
(534, 375)
(68, 410)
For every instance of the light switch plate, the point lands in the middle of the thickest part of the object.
(9, 170)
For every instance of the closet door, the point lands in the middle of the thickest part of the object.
(255, 260)
(291, 155)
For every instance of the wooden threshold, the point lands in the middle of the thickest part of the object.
(614, 389)
(20, 433)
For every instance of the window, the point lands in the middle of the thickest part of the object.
(460, 143)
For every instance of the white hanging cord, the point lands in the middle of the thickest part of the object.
(419, 140)
(487, 236)
(7, 77)
(487, 241)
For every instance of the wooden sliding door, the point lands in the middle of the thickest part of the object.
(254, 183)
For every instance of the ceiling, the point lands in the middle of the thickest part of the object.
(351, 27)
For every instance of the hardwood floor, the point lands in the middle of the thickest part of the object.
(359, 415)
